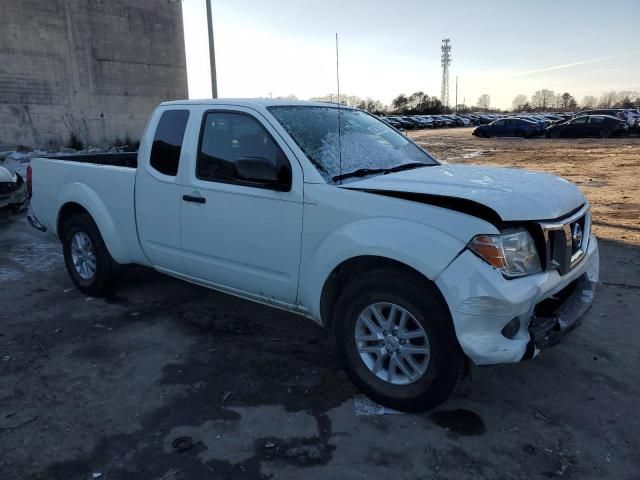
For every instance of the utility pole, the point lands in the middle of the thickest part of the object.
(212, 52)
(445, 62)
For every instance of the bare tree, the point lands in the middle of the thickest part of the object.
(519, 102)
(557, 102)
(371, 106)
(416, 100)
(567, 101)
(625, 99)
(608, 99)
(484, 101)
(400, 103)
(345, 99)
(573, 104)
(543, 99)
(589, 101)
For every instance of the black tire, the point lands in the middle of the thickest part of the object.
(519, 133)
(101, 282)
(420, 298)
(555, 134)
(605, 133)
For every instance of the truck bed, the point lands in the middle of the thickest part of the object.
(103, 184)
(123, 159)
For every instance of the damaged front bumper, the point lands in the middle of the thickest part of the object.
(498, 320)
(559, 315)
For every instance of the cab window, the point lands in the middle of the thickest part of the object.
(167, 142)
(229, 138)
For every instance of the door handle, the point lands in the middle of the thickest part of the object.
(194, 199)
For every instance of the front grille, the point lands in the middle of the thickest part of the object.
(8, 187)
(566, 241)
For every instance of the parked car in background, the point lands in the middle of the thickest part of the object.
(437, 121)
(556, 118)
(447, 122)
(541, 122)
(394, 123)
(484, 119)
(411, 122)
(427, 120)
(508, 127)
(418, 268)
(613, 112)
(632, 116)
(458, 121)
(422, 123)
(588, 126)
(391, 121)
(473, 120)
(405, 124)
(13, 190)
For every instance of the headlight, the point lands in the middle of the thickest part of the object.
(513, 251)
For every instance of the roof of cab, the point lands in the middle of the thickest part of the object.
(252, 102)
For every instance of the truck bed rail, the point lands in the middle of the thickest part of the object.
(123, 159)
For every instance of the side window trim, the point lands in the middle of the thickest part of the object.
(234, 181)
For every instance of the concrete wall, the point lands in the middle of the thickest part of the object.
(94, 68)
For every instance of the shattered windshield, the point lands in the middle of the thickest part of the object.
(364, 142)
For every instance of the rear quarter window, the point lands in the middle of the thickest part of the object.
(167, 142)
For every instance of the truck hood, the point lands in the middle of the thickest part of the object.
(513, 194)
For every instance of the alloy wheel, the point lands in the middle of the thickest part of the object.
(392, 343)
(83, 255)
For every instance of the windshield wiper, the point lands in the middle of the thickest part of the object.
(408, 166)
(361, 172)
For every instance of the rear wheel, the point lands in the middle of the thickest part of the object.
(554, 134)
(86, 257)
(605, 133)
(396, 340)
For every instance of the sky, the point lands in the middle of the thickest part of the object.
(499, 47)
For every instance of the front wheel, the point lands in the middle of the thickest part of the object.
(605, 133)
(86, 257)
(396, 339)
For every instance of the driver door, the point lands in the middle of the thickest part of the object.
(240, 236)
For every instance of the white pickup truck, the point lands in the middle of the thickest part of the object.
(418, 267)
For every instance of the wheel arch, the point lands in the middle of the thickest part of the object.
(350, 268)
(67, 211)
(80, 198)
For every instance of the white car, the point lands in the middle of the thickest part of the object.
(325, 211)
(13, 190)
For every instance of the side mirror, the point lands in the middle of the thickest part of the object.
(262, 171)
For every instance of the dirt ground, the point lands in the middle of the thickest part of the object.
(169, 381)
(607, 170)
